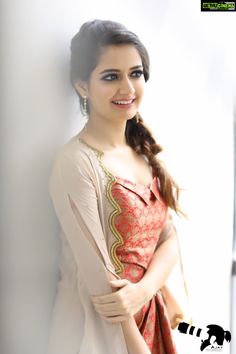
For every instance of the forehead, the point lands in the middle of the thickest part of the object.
(119, 57)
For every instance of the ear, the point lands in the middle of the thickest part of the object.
(81, 87)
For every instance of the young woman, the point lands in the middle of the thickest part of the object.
(112, 196)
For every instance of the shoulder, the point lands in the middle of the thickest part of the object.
(73, 162)
(73, 154)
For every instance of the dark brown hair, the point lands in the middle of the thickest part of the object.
(86, 47)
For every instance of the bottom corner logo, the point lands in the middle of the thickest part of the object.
(215, 334)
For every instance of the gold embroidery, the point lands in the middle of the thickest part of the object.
(119, 240)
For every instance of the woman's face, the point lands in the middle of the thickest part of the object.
(117, 77)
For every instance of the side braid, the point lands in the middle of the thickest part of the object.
(140, 138)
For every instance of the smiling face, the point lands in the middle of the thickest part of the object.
(117, 77)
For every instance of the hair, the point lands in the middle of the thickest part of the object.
(86, 48)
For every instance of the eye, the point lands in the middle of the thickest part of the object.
(139, 72)
(111, 77)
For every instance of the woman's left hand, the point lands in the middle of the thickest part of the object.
(120, 305)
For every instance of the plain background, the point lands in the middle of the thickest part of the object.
(188, 104)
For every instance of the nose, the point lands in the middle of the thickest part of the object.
(127, 87)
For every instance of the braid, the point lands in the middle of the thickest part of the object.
(139, 137)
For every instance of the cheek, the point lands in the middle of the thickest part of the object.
(140, 86)
(107, 92)
(104, 93)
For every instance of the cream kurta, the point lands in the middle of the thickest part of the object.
(80, 189)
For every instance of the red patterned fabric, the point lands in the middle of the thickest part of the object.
(140, 222)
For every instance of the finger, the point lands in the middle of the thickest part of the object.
(112, 311)
(119, 282)
(108, 307)
(111, 297)
(109, 313)
(103, 299)
(120, 307)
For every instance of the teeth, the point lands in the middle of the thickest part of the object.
(123, 102)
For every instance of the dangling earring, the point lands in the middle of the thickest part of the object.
(85, 103)
(137, 117)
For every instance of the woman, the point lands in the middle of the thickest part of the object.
(112, 197)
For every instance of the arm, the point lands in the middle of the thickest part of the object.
(75, 203)
(134, 339)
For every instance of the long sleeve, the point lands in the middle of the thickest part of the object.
(75, 203)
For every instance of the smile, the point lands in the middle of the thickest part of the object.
(123, 103)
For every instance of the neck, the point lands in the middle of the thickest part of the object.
(110, 134)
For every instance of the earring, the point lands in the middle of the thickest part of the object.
(85, 103)
(137, 115)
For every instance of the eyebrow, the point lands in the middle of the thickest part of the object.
(116, 70)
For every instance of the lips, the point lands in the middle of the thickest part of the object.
(123, 101)
(123, 104)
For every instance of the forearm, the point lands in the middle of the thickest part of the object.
(134, 339)
(154, 278)
(162, 263)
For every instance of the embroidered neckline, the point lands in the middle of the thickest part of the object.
(117, 210)
(101, 153)
(90, 146)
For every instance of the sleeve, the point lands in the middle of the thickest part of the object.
(76, 206)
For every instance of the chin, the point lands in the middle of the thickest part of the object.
(126, 115)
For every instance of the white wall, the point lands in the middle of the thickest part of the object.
(188, 104)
